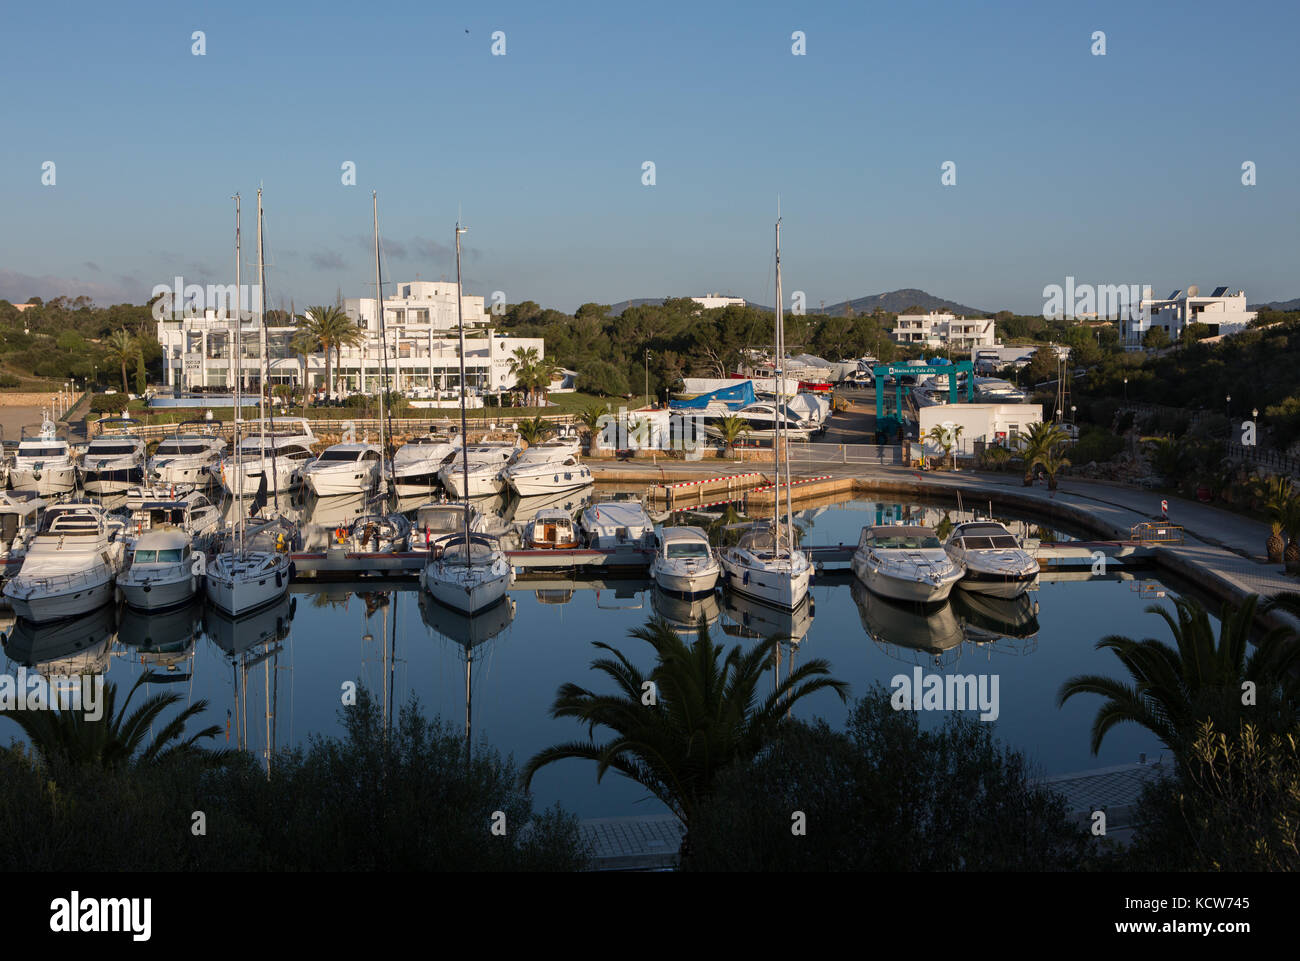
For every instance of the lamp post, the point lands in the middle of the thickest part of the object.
(1125, 390)
(1073, 408)
(1228, 401)
(647, 377)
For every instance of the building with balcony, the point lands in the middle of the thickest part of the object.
(418, 304)
(1221, 312)
(941, 329)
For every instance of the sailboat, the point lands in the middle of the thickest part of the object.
(239, 579)
(764, 564)
(471, 572)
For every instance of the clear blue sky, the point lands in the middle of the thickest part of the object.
(1117, 169)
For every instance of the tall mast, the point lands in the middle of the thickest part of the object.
(789, 512)
(262, 376)
(464, 437)
(383, 340)
(776, 410)
(239, 371)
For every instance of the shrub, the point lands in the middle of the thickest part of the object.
(9, 380)
(1096, 444)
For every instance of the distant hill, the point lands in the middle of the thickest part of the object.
(896, 301)
(1278, 305)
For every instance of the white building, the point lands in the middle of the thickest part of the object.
(421, 357)
(421, 304)
(991, 423)
(1221, 312)
(941, 329)
(712, 301)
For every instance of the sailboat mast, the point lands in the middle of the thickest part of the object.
(262, 376)
(776, 409)
(239, 373)
(464, 437)
(383, 339)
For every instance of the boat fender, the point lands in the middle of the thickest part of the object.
(745, 580)
(147, 588)
(279, 580)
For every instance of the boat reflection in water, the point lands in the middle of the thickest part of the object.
(78, 645)
(684, 615)
(910, 632)
(987, 620)
(561, 596)
(746, 617)
(164, 640)
(236, 635)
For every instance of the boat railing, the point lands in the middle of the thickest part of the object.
(57, 582)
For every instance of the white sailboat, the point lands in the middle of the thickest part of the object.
(240, 580)
(764, 564)
(471, 573)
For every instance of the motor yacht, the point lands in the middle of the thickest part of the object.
(991, 559)
(44, 463)
(540, 477)
(551, 528)
(190, 458)
(343, 469)
(611, 524)
(162, 571)
(280, 456)
(762, 420)
(684, 562)
(113, 463)
(20, 514)
(148, 508)
(435, 521)
(417, 463)
(70, 564)
(551, 449)
(906, 563)
(483, 478)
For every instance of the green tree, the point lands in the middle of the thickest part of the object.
(1173, 688)
(304, 343)
(590, 417)
(121, 348)
(1038, 442)
(707, 713)
(602, 377)
(534, 430)
(731, 429)
(333, 330)
(1052, 461)
(1156, 338)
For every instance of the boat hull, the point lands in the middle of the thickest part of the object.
(238, 593)
(550, 484)
(687, 585)
(335, 483)
(200, 475)
(41, 608)
(113, 480)
(46, 480)
(912, 590)
(783, 589)
(158, 595)
(467, 595)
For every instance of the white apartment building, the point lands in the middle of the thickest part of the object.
(1223, 312)
(418, 304)
(198, 353)
(941, 329)
(712, 301)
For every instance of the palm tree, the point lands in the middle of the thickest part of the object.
(941, 438)
(1278, 494)
(523, 364)
(333, 330)
(114, 739)
(1175, 688)
(1052, 462)
(732, 428)
(534, 430)
(304, 344)
(544, 372)
(1291, 524)
(590, 418)
(122, 349)
(1040, 439)
(691, 716)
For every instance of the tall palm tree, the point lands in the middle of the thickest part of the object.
(732, 428)
(1038, 440)
(1175, 687)
(544, 372)
(698, 710)
(304, 343)
(523, 364)
(333, 330)
(113, 740)
(534, 430)
(589, 417)
(122, 349)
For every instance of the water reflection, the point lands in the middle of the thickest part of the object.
(78, 645)
(163, 641)
(985, 618)
(908, 632)
(685, 615)
(746, 617)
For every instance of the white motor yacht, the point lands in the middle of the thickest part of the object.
(191, 458)
(760, 568)
(148, 508)
(162, 571)
(486, 462)
(906, 563)
(417, 463)
(991, 559)
(286, 452)
(551, 449)
(113, 463)
(470, 573)
(343, 469)
(70, 564)
(684, 562)
(531, 478)
(551, 528)
(44, 463)
(611, 524)
(20, 515)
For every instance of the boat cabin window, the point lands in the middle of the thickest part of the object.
(370, 455)
(343, 455)
(8, 527)
(173, 555)
(173, 447)
(43, 452)
(682, 551)
(98, 448)
(903, 541)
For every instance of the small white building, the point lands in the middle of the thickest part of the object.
(942, 329)
(418, 304)
(1000, 424)
(713, 301)
(1221, 312)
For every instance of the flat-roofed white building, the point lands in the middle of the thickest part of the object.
(418, 303)
(942, 329)
(1221, 312)
(713, 301)
(1000, 424)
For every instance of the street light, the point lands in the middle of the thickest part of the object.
(647, 377)
(1073, 408)
(1125, 390)
(1228, 400)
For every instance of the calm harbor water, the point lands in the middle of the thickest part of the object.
(276, 678)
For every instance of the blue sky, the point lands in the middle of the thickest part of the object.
(1123, 168)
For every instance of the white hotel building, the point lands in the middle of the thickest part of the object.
(423, 350)
(940, 329)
